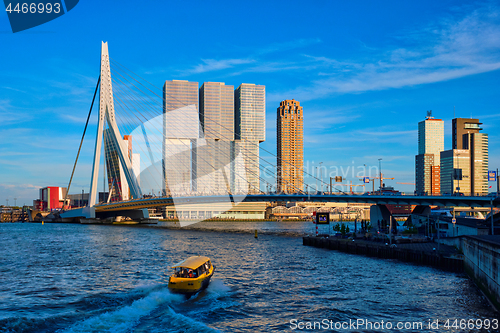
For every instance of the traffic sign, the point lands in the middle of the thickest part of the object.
(492, 175)
(323, 218)
(453, 220)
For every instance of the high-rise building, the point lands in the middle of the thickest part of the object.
(217, 121)
(466, 135)
(427, 175)
(249, 130)
(427, 162)
(461, 126)
(455, 171)
(477, 144)
(180, 136)
(290, 140)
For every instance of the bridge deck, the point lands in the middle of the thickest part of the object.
(456, 201)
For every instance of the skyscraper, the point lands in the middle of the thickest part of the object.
(249, 130)
(217, 121)
(180, 135)
(290, 140)
(466, 135)
(427, 162)
(455, 171)
(461, 126)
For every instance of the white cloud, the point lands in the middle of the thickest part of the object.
(210, 65)
(23, 194)
(468, 46)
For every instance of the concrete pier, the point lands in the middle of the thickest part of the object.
(448, 259)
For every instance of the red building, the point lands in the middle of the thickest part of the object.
(51, 197)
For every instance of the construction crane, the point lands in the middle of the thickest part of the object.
(405, 183)
(372, 179)
(351, 186)
(339, 179)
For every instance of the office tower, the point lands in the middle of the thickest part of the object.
(290, 140)
(477, 144)
(180, 137)
(427, 162)
(217, 121)
(249, 130)
(455, 171)
(466, 135)
(461, 126)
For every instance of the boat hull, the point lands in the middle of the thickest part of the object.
(190, 286)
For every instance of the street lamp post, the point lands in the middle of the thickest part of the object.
(321, 176)
(492, 220)
(498, 183)
(380, 172)
(316, 179)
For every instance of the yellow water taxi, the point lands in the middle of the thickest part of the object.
(191, 275)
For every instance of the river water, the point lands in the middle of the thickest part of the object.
(113, 278)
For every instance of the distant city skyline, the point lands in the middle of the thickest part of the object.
(365, 73)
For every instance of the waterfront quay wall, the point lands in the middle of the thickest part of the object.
(380, 250)
(482, 264)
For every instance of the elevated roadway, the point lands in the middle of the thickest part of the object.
(457, 201)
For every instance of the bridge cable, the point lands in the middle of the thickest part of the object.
(81, 141)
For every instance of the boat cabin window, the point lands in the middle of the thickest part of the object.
(184, 272)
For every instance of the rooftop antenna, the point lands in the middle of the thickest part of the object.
(429, 114)
(453, 111)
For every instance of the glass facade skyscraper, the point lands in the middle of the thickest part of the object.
(477, 144)
(181, 130)
(427, 162)
(467, 140)
(217, 121)
(249, 130)
(453, 180)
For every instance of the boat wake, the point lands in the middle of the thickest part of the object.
(154, 311)
(159, 310)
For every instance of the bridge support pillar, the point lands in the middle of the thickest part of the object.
(419, 215)
(380, 219)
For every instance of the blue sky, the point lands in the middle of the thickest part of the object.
(365, 72)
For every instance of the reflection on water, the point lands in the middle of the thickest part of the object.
(298, 228)
(85, 278)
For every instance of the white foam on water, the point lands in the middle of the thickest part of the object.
(123, 319)
(185, 323)
(218, 287)
(212, 296)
